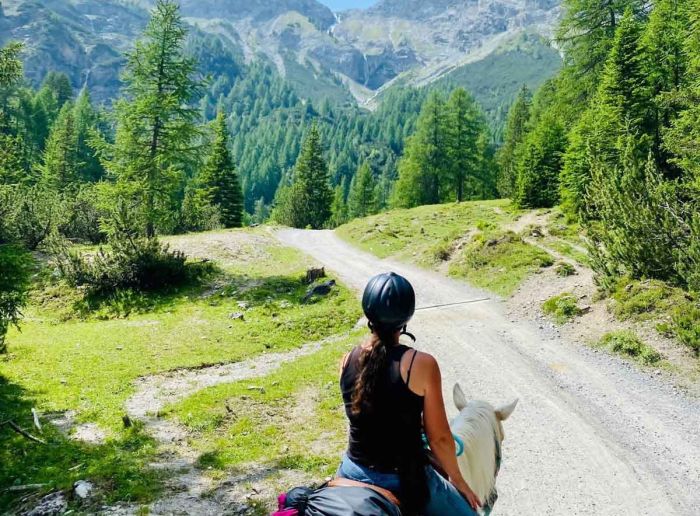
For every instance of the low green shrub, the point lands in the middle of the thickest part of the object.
(686, 326)
(628, 344)
(563, 307)
(644, 299)
(564, 269)
(131, 263)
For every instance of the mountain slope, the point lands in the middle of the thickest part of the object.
(323, 54)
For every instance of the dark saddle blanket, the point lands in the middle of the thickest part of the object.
(335, 501)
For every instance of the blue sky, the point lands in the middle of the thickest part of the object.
(339, 5)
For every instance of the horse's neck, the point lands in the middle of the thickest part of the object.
(478, 462)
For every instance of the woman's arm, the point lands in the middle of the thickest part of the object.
(437, 429)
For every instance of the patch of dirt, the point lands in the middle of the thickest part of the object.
(190, 490)
(224, 247)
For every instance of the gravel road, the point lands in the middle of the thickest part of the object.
(592, 434)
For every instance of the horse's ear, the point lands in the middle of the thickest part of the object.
(459, 398)
(504, 413)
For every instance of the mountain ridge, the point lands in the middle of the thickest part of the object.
(356, 54)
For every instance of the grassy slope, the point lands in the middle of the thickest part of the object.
(301, 427)
(471, 236)
(88, 365)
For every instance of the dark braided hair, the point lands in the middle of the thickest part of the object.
(373, 361)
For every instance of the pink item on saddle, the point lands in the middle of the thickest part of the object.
(281, 510)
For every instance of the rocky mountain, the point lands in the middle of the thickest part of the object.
(321, 53)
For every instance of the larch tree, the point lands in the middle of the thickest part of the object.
(539, 165)
(425, 165)
(60, 167)
(339, 207)
(362, 200)
(465, 126)
(219, 178)
(307, 201)
(157, 136)
(515, 132)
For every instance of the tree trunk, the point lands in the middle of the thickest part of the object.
(3, 334)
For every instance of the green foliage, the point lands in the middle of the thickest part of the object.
(219, 180)
(564, 269)
(499, 262)
(10, 64)
(30, 215)
(60, 163)
(339, 207)
(539, 165)
(563, 307)
(515, 131)
(362, 199)
(686, 326)
(640, 229)
(156, 132)
(307, 201)
(628, 344)
(15, 269)
(448, 157)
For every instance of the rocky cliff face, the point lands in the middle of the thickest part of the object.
(415, 40)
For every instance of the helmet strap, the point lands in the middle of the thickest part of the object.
(410, 335)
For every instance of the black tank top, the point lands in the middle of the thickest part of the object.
(392, 433)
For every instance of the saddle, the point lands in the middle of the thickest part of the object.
(339, 497)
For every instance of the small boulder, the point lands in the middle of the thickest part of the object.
(82, 489)
(237, 316)
(51, 504)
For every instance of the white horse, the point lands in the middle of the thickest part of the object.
(480, 427)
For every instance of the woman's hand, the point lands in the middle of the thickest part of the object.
(467, 493)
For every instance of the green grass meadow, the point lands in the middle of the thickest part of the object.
(69, 358)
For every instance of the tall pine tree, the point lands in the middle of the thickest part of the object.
(307, 201)
(60, 167)
(220, 180)
(515, 132)
(425, 165)
(362, 200)
(465, 126)
(156, 131)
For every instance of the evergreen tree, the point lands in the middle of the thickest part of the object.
(307, 202)
(515, 132)
(465, 126)
(87, 121)
(683, 138)
(339, 208)
(586, 35)
(220, 180)
(665, 66)
(58, 84)
(156, 131)
(425, 165)
(539, 165)
(362, 200)
(623, 86)
(60, 163)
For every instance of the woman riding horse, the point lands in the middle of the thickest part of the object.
(393, 395)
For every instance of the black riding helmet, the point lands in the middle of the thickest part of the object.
(389, 302)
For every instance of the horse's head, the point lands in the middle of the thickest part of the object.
(480, 426)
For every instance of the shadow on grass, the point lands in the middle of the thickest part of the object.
(118, 468)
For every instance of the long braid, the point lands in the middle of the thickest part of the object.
(372, 362)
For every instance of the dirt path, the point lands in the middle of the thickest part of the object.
(592, 434)
(189, 490)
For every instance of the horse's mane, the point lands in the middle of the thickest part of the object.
(477, 426)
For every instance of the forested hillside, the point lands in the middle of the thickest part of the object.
(614, 138)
